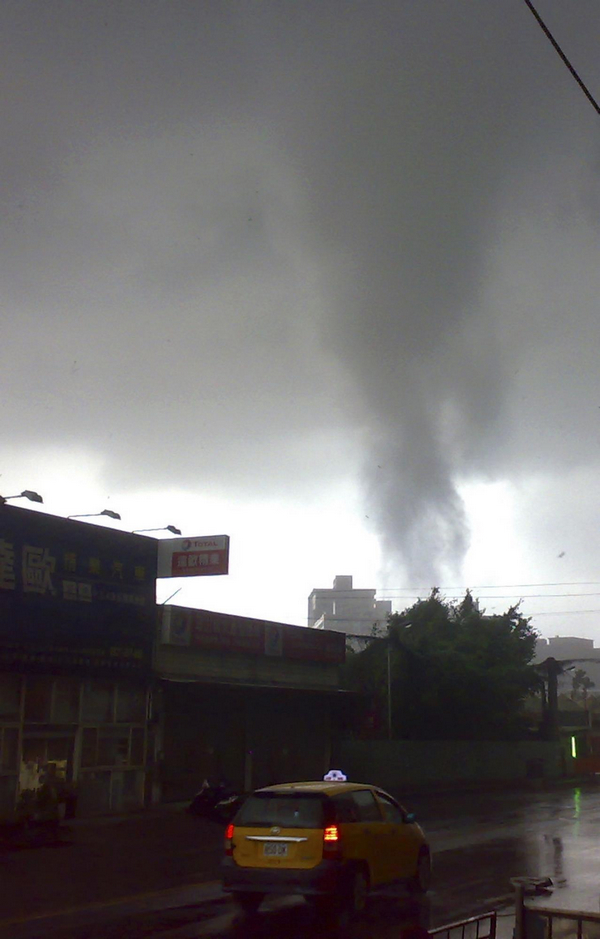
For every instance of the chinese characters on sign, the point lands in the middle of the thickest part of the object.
(39, 575)
(184, 562)
(193, 557)
(38, 567)
(114, 658)
(224, 632)
(7, 565)
(74, 594)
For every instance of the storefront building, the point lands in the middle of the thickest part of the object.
(245, 700)
(77, 622)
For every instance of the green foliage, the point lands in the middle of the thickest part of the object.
(456, 673)
(581, 684)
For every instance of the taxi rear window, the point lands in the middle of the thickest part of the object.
(287, 810)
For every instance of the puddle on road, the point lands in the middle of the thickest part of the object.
(295, 919)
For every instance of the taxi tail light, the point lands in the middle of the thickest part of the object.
(229, 833)
(331, 840)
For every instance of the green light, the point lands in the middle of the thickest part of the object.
(574, 747)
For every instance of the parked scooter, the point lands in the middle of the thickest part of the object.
(225, 810)
(215, 801)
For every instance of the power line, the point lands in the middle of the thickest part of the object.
(556, 583)
(563, 612)
(507, 596)
(549, 35)
(333, 617)
(408, 593)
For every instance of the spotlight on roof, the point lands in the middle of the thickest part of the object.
(26, 494)
(171, 528)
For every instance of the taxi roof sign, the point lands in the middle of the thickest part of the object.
(335, 775)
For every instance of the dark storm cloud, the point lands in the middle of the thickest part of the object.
(252, 231)
(437, 128)
(158, 271)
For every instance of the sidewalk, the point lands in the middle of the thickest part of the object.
(100, 860)
(457, 788)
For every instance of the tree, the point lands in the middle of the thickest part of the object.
(581, 684)
(456, 673)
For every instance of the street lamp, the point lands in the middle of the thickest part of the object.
(26, 494)
(171, 528)
(108, 512)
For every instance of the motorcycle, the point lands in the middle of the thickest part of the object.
(226, 809)
(215, 801)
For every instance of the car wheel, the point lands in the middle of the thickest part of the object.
(248, 902)
(357, 892)
(421, 880)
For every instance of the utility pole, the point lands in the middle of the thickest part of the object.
(389, 688)
(406, 623)
(553, 670)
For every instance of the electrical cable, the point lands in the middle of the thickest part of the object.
(419, 591)
(555, 583)
(562, 612)
(505, 596)
(549, 35)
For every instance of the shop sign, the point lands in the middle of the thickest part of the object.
(223, 632)
(193, 557)
(74, 594)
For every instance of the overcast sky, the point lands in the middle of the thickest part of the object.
(321, 275)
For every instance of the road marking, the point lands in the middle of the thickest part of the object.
(104, 904)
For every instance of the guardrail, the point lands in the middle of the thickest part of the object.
(548, 922)
(544, 922)
(476, 927)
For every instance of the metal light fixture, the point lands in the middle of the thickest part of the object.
(108, 512)
(171, 528)
(26, 494)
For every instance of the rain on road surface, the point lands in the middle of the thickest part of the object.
(479, 842)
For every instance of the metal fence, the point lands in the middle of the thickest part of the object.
(548, 923)
(476, 927)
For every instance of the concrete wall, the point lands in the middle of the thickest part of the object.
(402, 764)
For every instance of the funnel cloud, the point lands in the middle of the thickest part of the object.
(300, 242)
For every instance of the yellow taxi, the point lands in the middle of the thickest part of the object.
(330, 841)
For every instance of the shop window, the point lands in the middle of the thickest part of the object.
(126, 790)
(131, 705)
(66, 701)
(10, 697)
(38, 700)
(137, 746)
(113, 747)
(60, 754)
(33, 762)
(8, 787)
(94, 793)
(98, 699)
(131, 789)
(89, 746)
(9, 749)
(34, 750)
(39, 753)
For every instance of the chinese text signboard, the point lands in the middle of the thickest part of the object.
(223, 632)
(193, 557)
(74, 595)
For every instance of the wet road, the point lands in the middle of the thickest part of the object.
(479, 842)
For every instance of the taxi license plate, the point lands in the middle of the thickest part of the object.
(275, 849)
